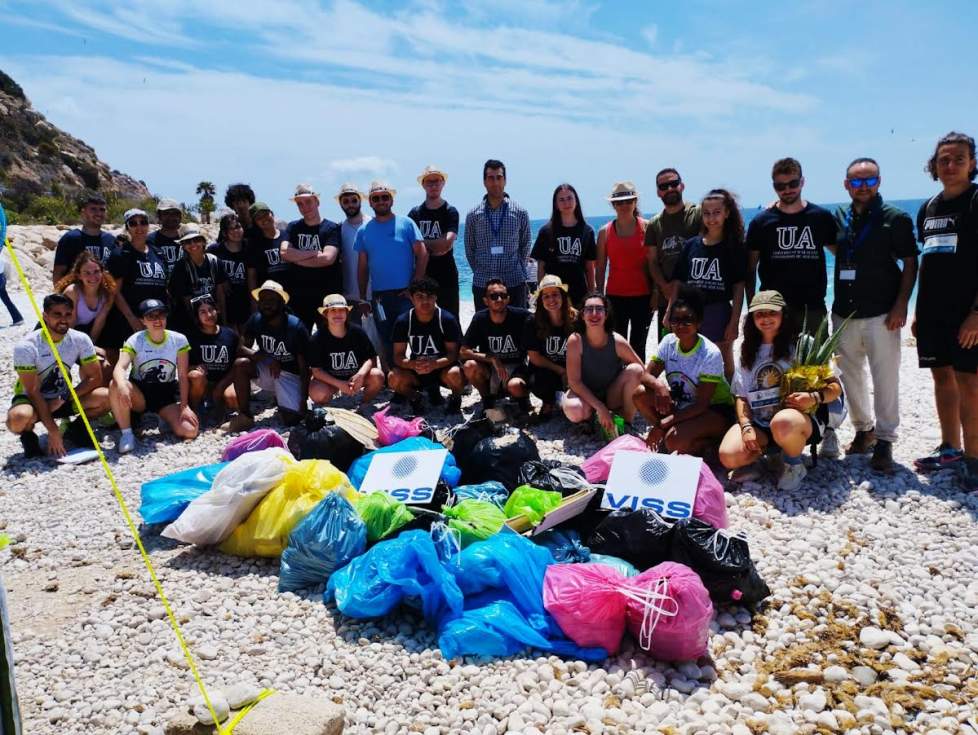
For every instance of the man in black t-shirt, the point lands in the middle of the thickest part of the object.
(786, 245)
(426, 340)
(88, 237)
(493, 353)
(263, 260)
(438, 222)
(312, 252)
(165, 241)
(240, 197)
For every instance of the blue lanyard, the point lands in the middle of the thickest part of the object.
(496, 217)
(853, 245)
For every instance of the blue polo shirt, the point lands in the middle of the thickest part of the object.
(390, 251)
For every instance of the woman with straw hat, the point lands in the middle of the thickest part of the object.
(546, 342)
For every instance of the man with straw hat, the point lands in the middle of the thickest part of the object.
(391, 253)
(438, 222)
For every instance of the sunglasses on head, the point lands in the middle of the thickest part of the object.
(380, 198)
(667, 185)
(497, 296)
(859, 183)
(206, 297)
(782, 185)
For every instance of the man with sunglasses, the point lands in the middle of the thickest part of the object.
(89, 237)
(871, 288)
(493, 351)
(666, 234)
(166, 240)
(391, 254)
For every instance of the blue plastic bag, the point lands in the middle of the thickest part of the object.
(325, 540)
(496, 629)
(492, 491)
(450, 473)
(406, 568)
(165, 498)
(620, 565)
(565, 546)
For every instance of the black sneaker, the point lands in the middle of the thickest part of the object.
(454, 404)
(968, 474)
(435, 397)
(77, 434)
(882, 459)
(31, 445)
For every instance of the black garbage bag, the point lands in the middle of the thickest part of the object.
(464, 437)
(721, 559)
(549, 474)
(499, 458)
(566, 547)
(641, 537)
(319, 437)
(590, 518)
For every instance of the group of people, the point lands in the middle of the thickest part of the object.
(164, 322)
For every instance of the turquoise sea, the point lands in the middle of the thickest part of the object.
(465, 273)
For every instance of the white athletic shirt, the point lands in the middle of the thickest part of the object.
(152, 362)
(686, 370)
(761, 385)
(33, 355)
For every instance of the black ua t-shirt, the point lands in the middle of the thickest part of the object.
(188, 279)
(74, 242)
(233, 265)
(503, 340)
(143, 275)
(168, 248)
(713, 269)
(551, 344)
(341, 357)
(564, 252)
(948, 232)
(284, 343)
(264, 255)
(792, 256)
(427, 339)
(215, 352)
(315, 281)
(434, 225)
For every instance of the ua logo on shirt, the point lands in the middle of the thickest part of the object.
(569, 245)
(148, 269)
(430, 229)
(343, 361)
(170, 253)
(501, 345)
(235, 271)
(214, 353)
(423, 345)
(556, 345)
(308, 242)
(790, 239)
(274, 347)
(273, 256)
(705, 269)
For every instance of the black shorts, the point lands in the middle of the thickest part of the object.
(65, 411)
(427, 381)
(937, 346)
(158, 395)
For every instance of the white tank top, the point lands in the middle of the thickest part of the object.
(86, 315)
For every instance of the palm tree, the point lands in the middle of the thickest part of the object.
(206, 190)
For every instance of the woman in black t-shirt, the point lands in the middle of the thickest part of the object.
(230, 253)
(342, 358)
(195, 274)
(565, 246)
(140, 274)
(546, 342)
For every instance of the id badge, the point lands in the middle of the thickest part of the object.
(847, 274)
(496, 250)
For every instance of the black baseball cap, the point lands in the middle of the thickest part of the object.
(150, 305)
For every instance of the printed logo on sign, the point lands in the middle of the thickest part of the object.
(653, 472)
(404, 467)
(665, 484)
(410, 477)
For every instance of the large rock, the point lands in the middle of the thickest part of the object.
(293, 714)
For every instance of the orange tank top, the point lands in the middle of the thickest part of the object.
(626, 263)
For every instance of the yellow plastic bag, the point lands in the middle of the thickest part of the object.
(266, 531)
(805, 378)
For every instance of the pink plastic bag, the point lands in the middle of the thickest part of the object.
(711, 502)
(253, 441)
(587, 603)
(597, 467)
(669, 612)
(392, 429)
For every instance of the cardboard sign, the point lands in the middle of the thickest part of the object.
(410, 477)
(665, 483)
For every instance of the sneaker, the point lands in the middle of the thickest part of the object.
(31, 445)
(829, 447)
(17, 323)
(77, 434)
(882, 459)
(968, 474)
(240, 422)
(454, 404)
(943, 456)
(862, 443)
(127, 442)
(791, 476)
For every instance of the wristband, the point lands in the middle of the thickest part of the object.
(745, 426)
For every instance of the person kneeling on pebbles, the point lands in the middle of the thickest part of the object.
(342, 357)
(153, 375)
(41, 393)
(763, 416)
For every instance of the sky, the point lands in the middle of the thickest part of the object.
(278, 92)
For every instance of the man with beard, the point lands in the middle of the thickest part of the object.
(165, 241)
(438, 222)
(87, 237)
(351, 202)
(666, 234)
(41, 393)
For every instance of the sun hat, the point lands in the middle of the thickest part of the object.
(622, 191)
(168, 205)
(258, 207)
(148, 306)
(549, 281)
(274, 287)
(334, 301)
(430, 170)
(134, 212)
(348, 188)
(766, 301)
(304, 190)
(380, 186)
(191, 232)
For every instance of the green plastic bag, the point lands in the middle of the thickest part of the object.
(475, 520)
(382, 515)
(532, 503)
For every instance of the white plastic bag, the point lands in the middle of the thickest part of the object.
(236, 491)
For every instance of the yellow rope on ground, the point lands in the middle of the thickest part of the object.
(66, 373)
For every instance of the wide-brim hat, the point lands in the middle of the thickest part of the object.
(432, 171)
(623, 191)
(168, 205)
(134, 212)
(191, 233)
(304, 190)
(273, 286)
(549, 281)
(334, 301)
(349, 188)
(377, 187)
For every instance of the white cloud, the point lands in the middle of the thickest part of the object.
(650, 33)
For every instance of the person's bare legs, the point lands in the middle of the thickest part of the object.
(373, 384)
(968, 410)
(791, 430)
(621, 392)
(122, 412)
(948, 400)
(479, 376)
(576, 410)
(733, 453)
(693, 435)
(320, 393)
(183, 428)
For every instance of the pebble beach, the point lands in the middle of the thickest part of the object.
(872, 626)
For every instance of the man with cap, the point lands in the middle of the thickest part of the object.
(391, 253)
(153, 374)
(41, 393)
(281, 342)
(497, 239)
(342, 358)
(350, 200)
(197, 273)
(165, 240)
(263, 260)
(89, 237)
(312, 252)
(438, 222)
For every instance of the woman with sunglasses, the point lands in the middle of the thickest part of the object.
(92, 291)
(545, 337)
(715, 262)
(220, 368)
(621, 252)
(690, 406)
(139, 271)
(153, 375)
(603, 370)
(230, 253)
(764, 418)
(196, 273)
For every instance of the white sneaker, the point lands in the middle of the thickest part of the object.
(127, 442)
(829, 448)
(792, 476)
